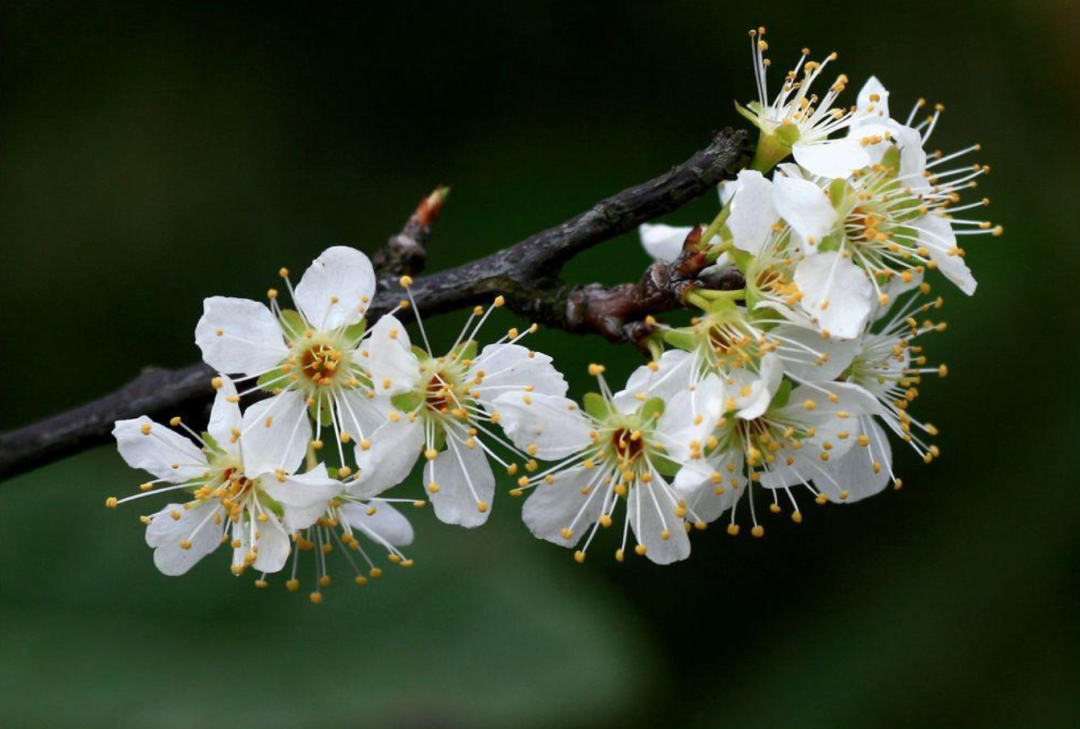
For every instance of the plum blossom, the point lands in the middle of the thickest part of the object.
(622, 447)
(230, 494)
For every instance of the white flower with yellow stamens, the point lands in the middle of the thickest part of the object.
(443, 406)
(345, 522)
(625, 446)
(311, 359)
(797, 441)
(798, 122)
(231, 496)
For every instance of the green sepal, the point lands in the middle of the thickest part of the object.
(597, 406)
(212, 442)
(438, 443)
(465, 351)
(322, 404)
(272, 380)
(293, 324)
(783, 394)
(838, 193)
(787, 134)
(831, 242)
(742, 259)
(652, 409)
(665, 465)
(684, 339)
(408, 402)
(420, 353)
(355, 332)
(722, 306)
(891, 159)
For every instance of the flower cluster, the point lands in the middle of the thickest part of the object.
(791, 386)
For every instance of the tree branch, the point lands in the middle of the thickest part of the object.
(526, 273)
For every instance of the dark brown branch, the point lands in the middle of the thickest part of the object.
(406, 252)
(526, 273)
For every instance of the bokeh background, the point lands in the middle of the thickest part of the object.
(154, 153)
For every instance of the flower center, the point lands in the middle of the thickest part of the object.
(628, 444)
(320, 363)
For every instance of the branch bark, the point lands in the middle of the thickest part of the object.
(527, 274)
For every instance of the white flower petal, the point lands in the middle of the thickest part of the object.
(753, 213)
(689, 417)
(872, 104)
(510, 367)
(834, 159)
(753, 391)
(276, 434)
(387, 524)
(554, 425)
(394, 367)
(239, 336)
(360, 415)
(466, 484)
(225, 418)
(937, 235)
(651, 511)
(855, 472)
(806, 208)
(663, 242)
(709, 488)
(393, 451)
(673, 375)
(304, 497)
(271, 546)
(808, 356)
(165, 533)
(553, 507)
(836, 293)
(152, 447)
(336, 289)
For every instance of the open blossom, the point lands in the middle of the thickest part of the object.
(623, 447)
(246, 493)
(309, 358)
(797, 441)
(346, 520)
(443, 406)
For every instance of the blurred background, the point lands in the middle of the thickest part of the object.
(156, 153)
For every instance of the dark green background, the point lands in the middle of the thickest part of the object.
(157, 153)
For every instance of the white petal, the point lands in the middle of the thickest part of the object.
(726, 190)
(553, 507)
(689, 417)
(271, 545)
(225, 418)
(651, 511)
(709, 488)
(387, 524)
(871, 109)
(753, 391)
(304, 497)
(937, 235)
(196, 525)
(836, 293)
(806, 208)
(395, 446)
(360, 415)
(673, 375)
(153, 447)
(466, 484)
(511, 367)
(834, 159)
(663, 242)
(239, 336)
(394, 368)
(336, 289)
(554, 425)
(855, 472)
(753, 213)
(276, 434)
(808, 356)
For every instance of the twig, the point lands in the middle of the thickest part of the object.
(526, 273)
